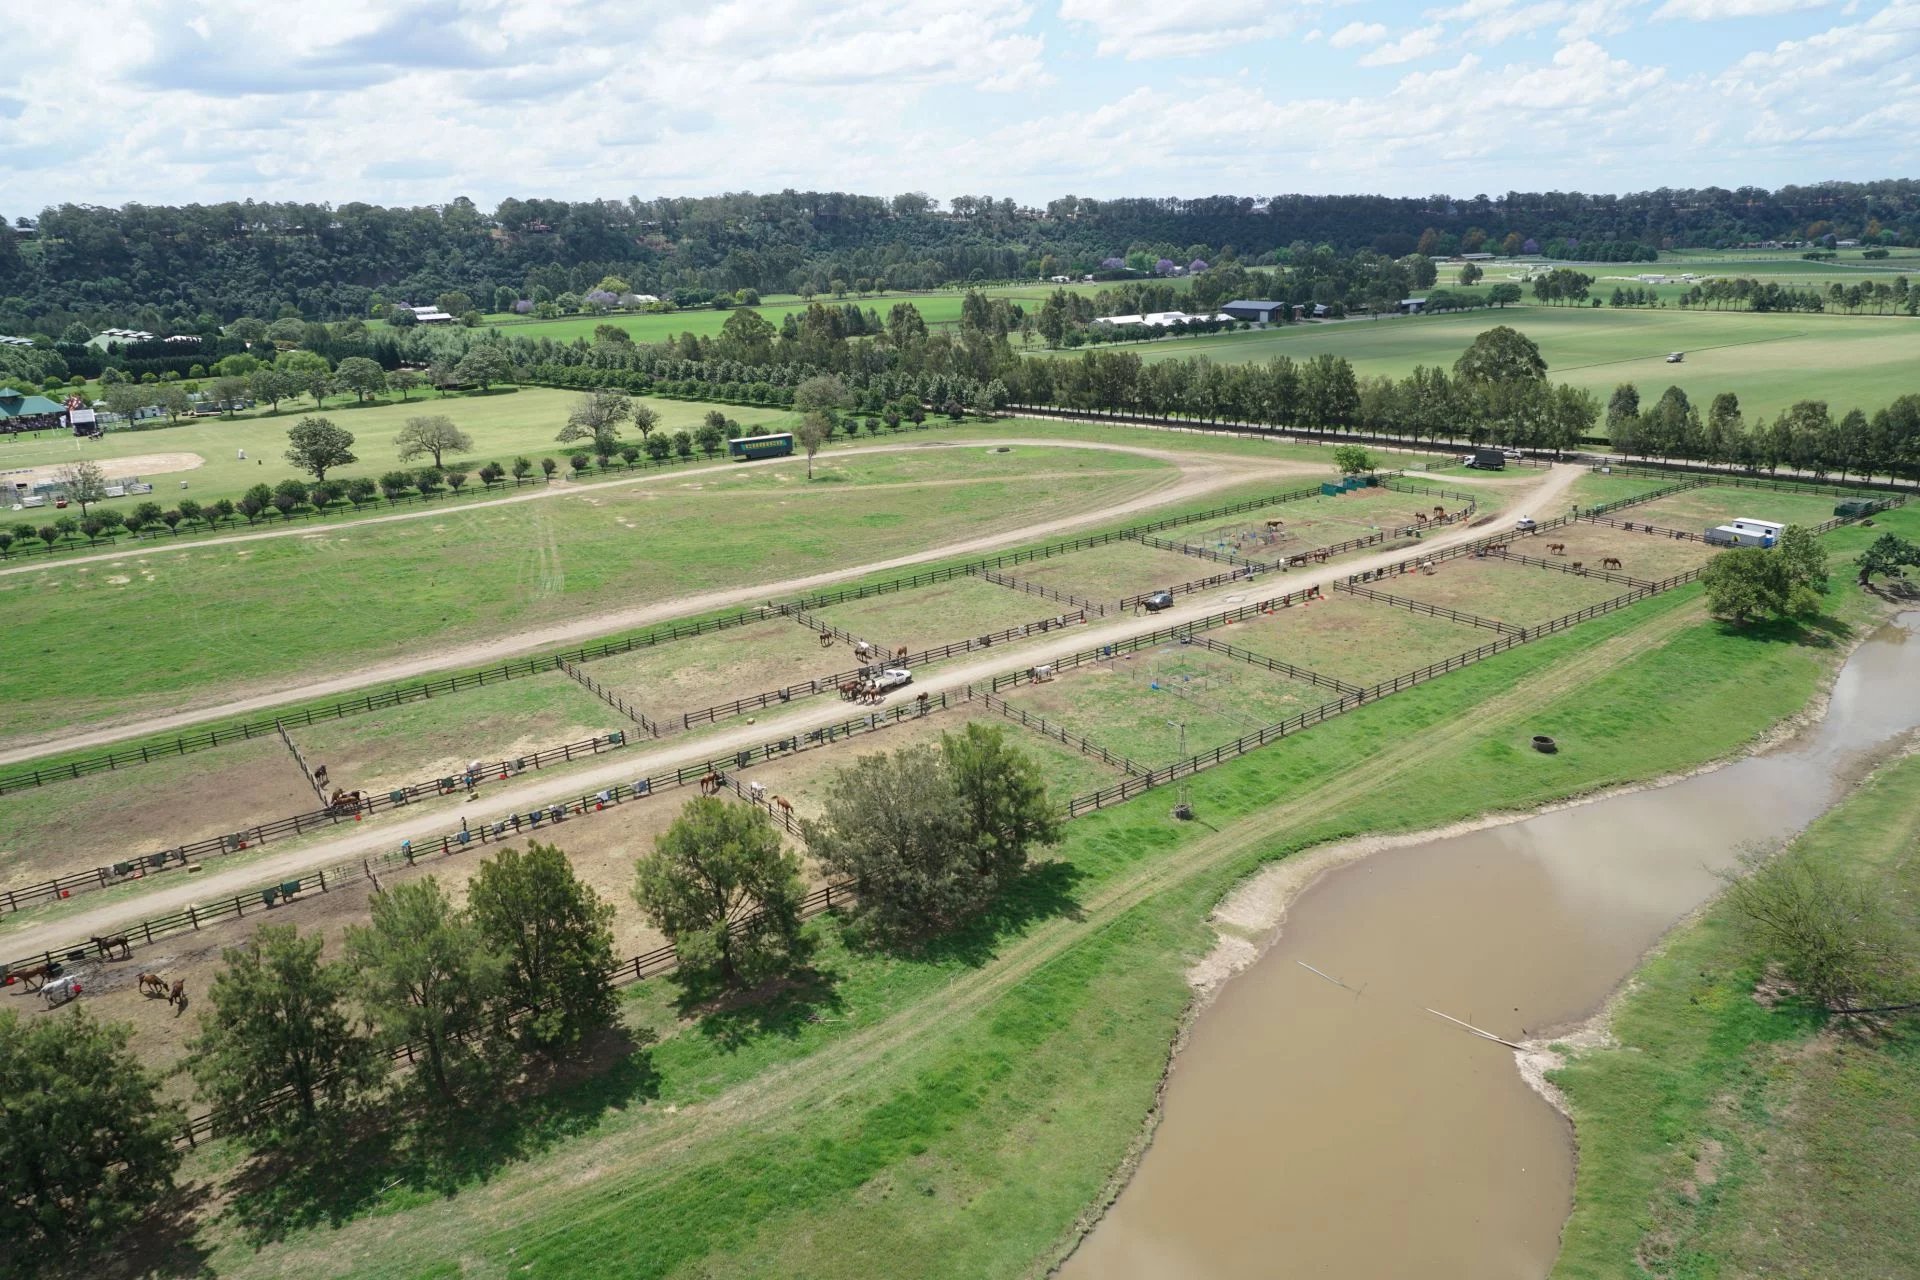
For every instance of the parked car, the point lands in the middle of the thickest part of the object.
(1157, 601)
(1525, 524)
(892, 678)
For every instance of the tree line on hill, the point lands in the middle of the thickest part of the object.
(491, 1002)
(153, 265)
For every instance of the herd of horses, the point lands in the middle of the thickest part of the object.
(57, 987)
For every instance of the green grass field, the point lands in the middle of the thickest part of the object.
(1721, 1137)
(504, 424)
(953, 1112)
(1769, 361)
(343, 597)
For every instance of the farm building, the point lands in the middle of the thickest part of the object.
(430, 315)
(122, 337)
(15, 342)
(1746, 532)
(1412, 306)
(1256, 311)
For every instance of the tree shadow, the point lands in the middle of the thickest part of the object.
(1819, 632)
(163, 1244)
(780, 1006)
(436, 1148)
(1040, 892)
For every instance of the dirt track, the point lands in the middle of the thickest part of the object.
(1545, 496)
(1199, 476)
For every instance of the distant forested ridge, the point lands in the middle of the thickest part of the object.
(175, 268)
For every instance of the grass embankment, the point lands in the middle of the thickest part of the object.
(953, 1114)
(1723, 1137)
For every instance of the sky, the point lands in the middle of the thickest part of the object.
(420, 101)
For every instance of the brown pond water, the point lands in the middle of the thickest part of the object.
(1312, 1129)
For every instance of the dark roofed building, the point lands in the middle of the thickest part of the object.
(1255, 311)
(25, 411)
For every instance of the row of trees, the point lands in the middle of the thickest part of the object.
(160, 268)
(1807, 436)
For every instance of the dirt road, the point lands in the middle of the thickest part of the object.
(1544, 495)
(1199, 475)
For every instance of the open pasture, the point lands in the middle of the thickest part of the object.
(1359, 641)
(1770, 360)
(105, 818)
(504, 424)
(1108, 573)
(1514, 593)
(1134, 703)
(436, 737)
(1648, 557)
(344, 596)
(1698, 509)
(929, 616)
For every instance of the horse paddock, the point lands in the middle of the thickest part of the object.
(109, 817)
(1109, 573)
(667, 680)
(927, 617)
(1306, 524)
(1697, 509)
(436, 737)
(802, 779)
(1646, 556)
(1349, 638)
(1133, 704)
(1522, 595)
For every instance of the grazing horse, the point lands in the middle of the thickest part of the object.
(900, 654)
(1556, 548)
(152, 984)
(1610, 562)
(34, 975)
(826, 638)
(1276, 524)
(1579, 566)
(710, 784)
(118, 942)
(785, 805)
(177, 996)
(862, 649)
(1419, 517)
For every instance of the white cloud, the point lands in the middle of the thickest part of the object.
(1709, 10)
(1181, 28)
(1357, 33)
(1418, 43)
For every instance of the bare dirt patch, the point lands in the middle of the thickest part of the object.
(106, 817)
(140, 464)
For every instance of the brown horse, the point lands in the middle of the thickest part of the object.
(1610, 562)
(826, 638)
(900, 654)
(1556, 548)
(710, 784)
(785, 806)
(177, 996)
(1579, 566)
(152, 984)
(118, 942)
(34, 976)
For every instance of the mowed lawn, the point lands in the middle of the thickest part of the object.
(342, 597)
(505, 424)
(1770, 361)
